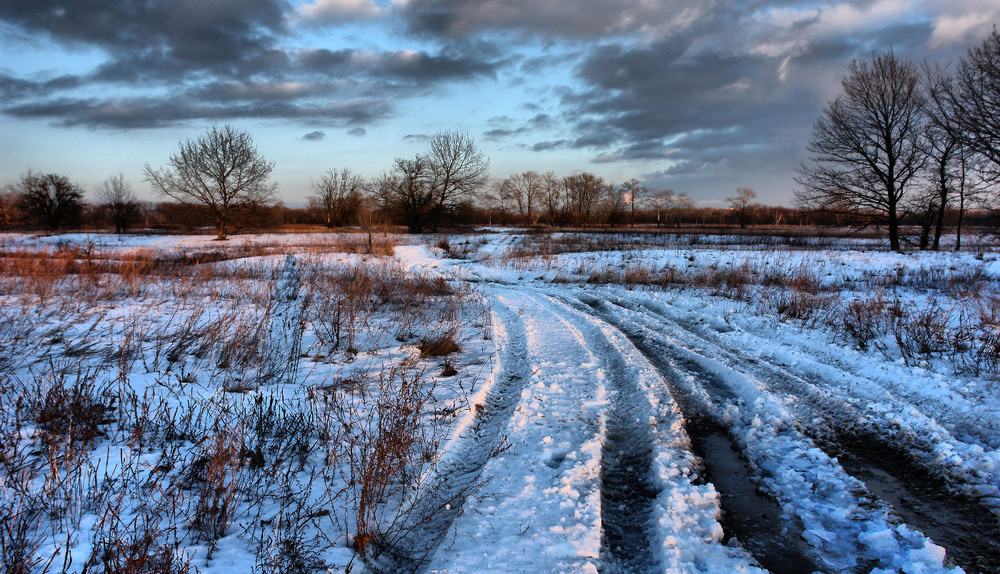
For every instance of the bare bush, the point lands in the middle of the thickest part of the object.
(216, 472)
(922, 334)
(864, 321)
(385, 445)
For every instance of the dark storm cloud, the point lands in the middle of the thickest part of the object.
(156, 112)
(219, 35)
(737, 104)
(452, 62)
(582, 18)
(314, 136)
(550, 145)
(197, 59)
(12, 88)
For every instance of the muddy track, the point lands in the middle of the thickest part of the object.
(969, 531)
(627, 484)
(750, 517)
(407, 544)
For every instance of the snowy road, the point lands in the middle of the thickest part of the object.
(653, 435)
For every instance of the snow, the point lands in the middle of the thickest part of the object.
(520, 470)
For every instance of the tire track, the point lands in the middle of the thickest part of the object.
(410, 541)
(628, 486)
(889, 469)
(756, 521)
(839, 518)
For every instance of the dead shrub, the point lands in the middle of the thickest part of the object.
(439, 345)
(799, 304)
(922, 334)
(20, 538)
(217, 474)
(385, 444)
(863, 320)
(138, 549)
(71, 413)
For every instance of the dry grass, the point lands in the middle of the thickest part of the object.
(132, 352)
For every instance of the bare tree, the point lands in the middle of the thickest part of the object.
(118, 199)
(339, 195)
(742, 204)
(634, 193)
(222, 171)
(950, 160)
(662, 202)
(50, 200)
(496, 199)
(611, 204)
(552, 194)
(458, 169)
(408, 192)
(526, 190)
(670, 206)
(583, 192)
(975, 100)
(867, 146)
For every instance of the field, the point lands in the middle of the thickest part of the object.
(497, 402)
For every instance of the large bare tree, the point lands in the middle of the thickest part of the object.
(867, 146)
(222, 171)
(118, 199)
(458, 168)
(742, 204)
(552, 194)
(583, 192)
(976, 101)
(950, 162)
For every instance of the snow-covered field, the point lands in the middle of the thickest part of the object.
(498, 402)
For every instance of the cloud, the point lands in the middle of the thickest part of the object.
(550, 145)
(136, 113)
(171, 61)
(581, 19)
(509, 127)
(456, 62)
(314, 136)
(733, 95)
(358, 132)
(182, 35)
(325, 11)
(962, 22)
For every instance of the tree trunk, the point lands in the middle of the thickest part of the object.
(958, 226)
(220, 224)
(893, 232)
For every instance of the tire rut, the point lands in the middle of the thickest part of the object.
(749, 517)
(628, 487)
(410, 541)
(968, 531)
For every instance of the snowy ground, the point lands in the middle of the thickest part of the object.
(663, 407)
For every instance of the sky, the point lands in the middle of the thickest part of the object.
(697, 96)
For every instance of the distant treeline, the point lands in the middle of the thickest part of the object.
(176, 217)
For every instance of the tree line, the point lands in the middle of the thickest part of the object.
(906, 142)
(223, 179)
